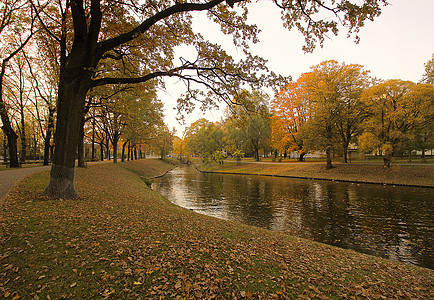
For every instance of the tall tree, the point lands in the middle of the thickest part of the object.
(16, 30)
(18, 93)
(337, 110)
(250, 122)
(397, 109)
(156, 28)
(290, 111)
(44, 87)
(203, 138)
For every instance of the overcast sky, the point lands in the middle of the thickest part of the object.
(395, 46)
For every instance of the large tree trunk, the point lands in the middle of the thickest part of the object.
(73, 86)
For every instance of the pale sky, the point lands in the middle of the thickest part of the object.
(395, 46)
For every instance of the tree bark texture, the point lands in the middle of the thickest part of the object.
(73, 86)
(115, 150)
(62, 182)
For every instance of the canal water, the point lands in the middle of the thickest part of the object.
(387, 221)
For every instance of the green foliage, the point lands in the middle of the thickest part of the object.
(248, 123)
(204, 138)
(238, 154)
(428, 77)
(219, 157)
(400, 111)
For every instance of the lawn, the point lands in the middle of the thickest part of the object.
(122, 240)
(404, 174)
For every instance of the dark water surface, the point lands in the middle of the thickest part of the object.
(392, 222)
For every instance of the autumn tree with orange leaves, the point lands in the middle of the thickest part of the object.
(290, 110)
(92, 35)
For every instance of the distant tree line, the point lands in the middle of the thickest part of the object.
(327, 109)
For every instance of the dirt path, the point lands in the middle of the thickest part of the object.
(9, 177)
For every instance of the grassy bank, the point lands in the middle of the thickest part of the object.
(419, 175)
(121, 240)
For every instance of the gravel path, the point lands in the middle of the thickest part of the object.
(9, 177)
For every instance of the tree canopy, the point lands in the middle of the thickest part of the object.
(101, 42)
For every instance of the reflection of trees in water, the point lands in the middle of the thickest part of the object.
(396, 223)
(250, 200)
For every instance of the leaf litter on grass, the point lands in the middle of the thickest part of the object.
(121, 240)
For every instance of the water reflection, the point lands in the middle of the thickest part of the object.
(391, 222)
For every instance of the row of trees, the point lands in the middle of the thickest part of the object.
(127, 114)
(327, 109)
(87, 45)
(29, 82)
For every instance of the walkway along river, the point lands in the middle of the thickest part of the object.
(392, 222)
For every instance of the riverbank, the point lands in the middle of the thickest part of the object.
(407, 175)
(122, 240)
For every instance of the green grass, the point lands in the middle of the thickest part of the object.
(122, 240)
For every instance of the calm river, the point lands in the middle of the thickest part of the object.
(392, 222)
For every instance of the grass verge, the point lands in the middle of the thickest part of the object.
(417, 175)
(122, 240)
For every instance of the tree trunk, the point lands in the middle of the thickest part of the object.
(13, 150)
(46, 151)
(129, 151)
(93, 139)
(387, 161)
(23, 152)
(80, 146)
(328, 157)
(74, 83)
(47, 141)
(123, 150)
(301, 156)
(107, 146)
(115, 150)
(345, 154)
(12, 137)
(256, 154)
(101, 148)
(5, 150)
